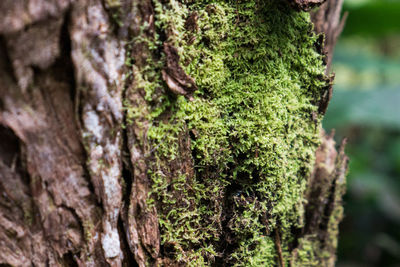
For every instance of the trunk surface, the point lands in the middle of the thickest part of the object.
(167, 133)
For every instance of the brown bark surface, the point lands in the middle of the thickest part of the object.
(329, 23)
(327, 19)
(67, 193)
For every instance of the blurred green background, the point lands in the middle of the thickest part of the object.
(365, 108)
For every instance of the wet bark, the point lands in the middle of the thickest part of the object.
(73, 180)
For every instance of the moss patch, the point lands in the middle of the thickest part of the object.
(252, 135)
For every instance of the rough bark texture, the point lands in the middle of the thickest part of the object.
(104, 163)
(324, 209)
(327, 20)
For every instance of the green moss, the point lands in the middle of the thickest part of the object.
(88, 229)
(113, 3)
(264, 255)
(259, 75)
(305, 254)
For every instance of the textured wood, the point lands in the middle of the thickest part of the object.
(74, 183)
(305, 5)
(327, 20)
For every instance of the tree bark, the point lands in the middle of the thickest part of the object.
(166, 133)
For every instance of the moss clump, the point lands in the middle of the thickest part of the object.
(252, 135)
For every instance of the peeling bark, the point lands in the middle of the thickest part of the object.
(327, 20)
(177, 80)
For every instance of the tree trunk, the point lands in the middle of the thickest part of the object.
(165, 133)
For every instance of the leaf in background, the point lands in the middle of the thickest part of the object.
(374, 18)
(364, 108)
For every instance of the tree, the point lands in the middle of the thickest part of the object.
(166, 133)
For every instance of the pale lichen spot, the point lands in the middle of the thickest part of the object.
(110, 241)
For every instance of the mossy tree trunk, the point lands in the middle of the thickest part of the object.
(167, 133)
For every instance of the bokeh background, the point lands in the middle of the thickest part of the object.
(365, 108)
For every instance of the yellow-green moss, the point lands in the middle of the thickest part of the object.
(259, 77)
